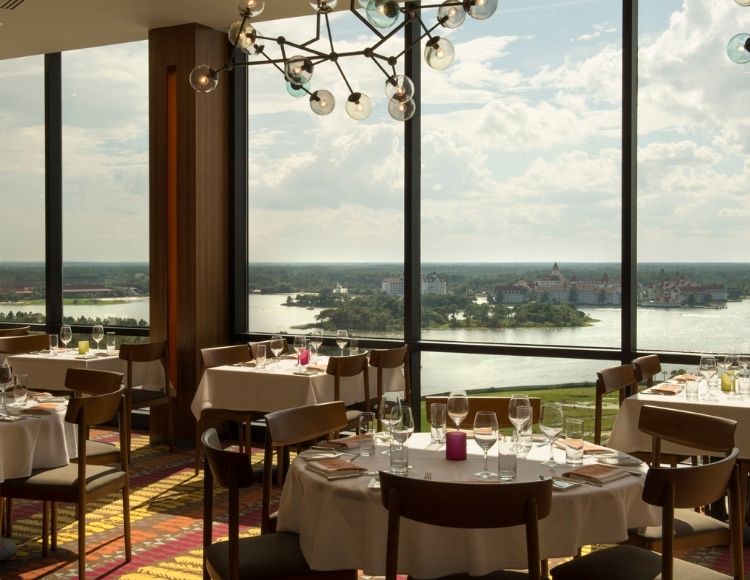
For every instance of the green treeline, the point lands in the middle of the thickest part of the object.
(38, 318)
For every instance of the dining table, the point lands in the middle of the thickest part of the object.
(342, 524)
(281, 385)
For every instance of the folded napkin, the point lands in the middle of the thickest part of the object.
(343, 442)
(665, 389)
(335, 467)
(318, 367)
(686, 377)
(588, 448)
(597, 473)
(44, 409)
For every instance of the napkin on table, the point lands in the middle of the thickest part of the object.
(44, 409)
(335, 467)
(597, 473)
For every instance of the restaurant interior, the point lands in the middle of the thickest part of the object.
(203, 444)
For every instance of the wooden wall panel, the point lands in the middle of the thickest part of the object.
(189, 242)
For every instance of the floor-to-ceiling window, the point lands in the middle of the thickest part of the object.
(22, 281)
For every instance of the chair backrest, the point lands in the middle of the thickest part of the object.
(23, 343)
(690, 486)
(696, 430)
(294, 427)
(14, 330)
(92, 382)
(233, 471)
(91, 410)
(646, 367)
(619, 378)
(225, 355)
(269, 354)
(471, 506)
(497, 404)
(144, 352)
(349, 366)
(391, 358)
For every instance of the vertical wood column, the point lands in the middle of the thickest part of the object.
(189, 217)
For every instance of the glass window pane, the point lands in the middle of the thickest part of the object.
(693, 241)
(325, 196)
(521, 162)
(105, 185)
(22, 279)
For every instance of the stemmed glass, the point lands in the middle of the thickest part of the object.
(97, 333)
(708, 368)
(485, 434)
(6, 378)
(402, 423)
(342, 339)
(300, 343)
(66, 335)
(277, 347)
(519, 412)
(390, 406)
(551, 424)
(729, 365)
(316, 339)
(458, 407)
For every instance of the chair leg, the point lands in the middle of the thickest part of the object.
(545, 568)
(82, 542)
(54, 525)
(126, 522)
(45, 529)
(9, 517)
(170, 426)
(198, 449)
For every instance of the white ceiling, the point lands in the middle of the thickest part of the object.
(41, 26)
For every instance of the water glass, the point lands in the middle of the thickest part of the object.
(438, 422)
(19, 389)
(53, 344)
(111, 342)
(259, 355)
(574, 441)
(83, 346)
(399, 458)
(313, 347)
(366, 432)
(507, 463)
(691, 390)
(353, 346)
(524, 442)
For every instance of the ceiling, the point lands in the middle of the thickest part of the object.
(41, 26)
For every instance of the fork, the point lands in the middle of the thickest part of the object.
(427, 475)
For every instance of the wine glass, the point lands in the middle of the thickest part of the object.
(707, 369)
(6, 379)
(485, 434)
(390, 404)
(277, 347)
(402, 422)
(342, 339)
(551, 424)
(316, 340)
(97, 333)
(458, 407)
(300, 344)
(519, 412)
(66, 335)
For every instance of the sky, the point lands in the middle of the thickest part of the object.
(520, 145)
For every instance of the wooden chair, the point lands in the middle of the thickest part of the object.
(668, 488)
(140, 398)
(15, 331)
(646, 368)
(471, 506)
(79, 483)
(267, 343)
(497, 404)
(216, 357)
(350, 366)
(391, 358)
(692, 529)
(270, 555)
(22, 344)
(620, 378)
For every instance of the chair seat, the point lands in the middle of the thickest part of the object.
(499, 575)
(627, 563)
(60, 481)
(96, 450)
(268, 556)
(688, 522)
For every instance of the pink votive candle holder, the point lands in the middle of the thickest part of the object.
(304, 357)
(455, 445)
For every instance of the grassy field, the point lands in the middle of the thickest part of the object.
(576, 402)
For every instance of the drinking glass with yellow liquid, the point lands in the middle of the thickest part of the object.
(729, 367)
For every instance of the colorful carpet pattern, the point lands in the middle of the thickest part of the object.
(167, 527)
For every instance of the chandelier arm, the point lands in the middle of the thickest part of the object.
(383, 39)
(328, 30)
(312, 51)
(317, 32)
(457, 3)
(418, 40)
(374, 57)
(268, 60)
(343, 76)
(364, 20)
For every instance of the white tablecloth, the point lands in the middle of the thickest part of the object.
(626, 436)
(36, 442)
(342, 524)
(277, 387)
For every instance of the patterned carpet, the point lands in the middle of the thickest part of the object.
(166, 515)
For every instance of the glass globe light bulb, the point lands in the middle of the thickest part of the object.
(743, 2)
(251, 7)
(297, 91)
(242, 35)
(455, 14)
(358, 106)
(399, 88)
(322, 102)
(402, 110)
(482, 9)
(298, 70)
(738, 48)
(323, 5)
(382, 13)
(439, 53)
(204, 79)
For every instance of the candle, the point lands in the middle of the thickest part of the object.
(304, 357)
(455, 445)
(83, 346)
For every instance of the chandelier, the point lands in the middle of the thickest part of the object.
(298, 61)
(738, 47)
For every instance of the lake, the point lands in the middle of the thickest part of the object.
(685, 330)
